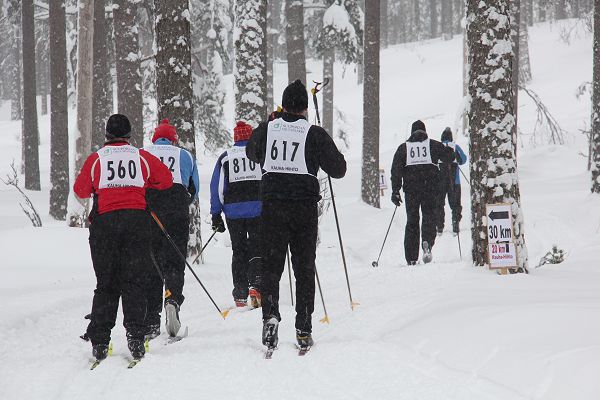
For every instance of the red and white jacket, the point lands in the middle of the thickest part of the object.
(118, 175)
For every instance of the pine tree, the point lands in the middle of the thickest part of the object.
(101, 99)
(494, 176)
(30, 120)
(595, 145)
(296, 58)
(370, 156)
(59, 118)
(129, 77)
(250, 61)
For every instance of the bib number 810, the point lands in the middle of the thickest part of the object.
(236, 165)
(121, 171)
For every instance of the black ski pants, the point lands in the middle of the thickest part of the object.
(168, 262)
(120, 248)
(293, 223)
(453, 192)
(245, 261)
(424, 201)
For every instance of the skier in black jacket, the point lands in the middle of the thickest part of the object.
(291, 151)
(415, 168)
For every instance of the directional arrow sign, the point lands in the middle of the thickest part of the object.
(500, 227)
(494, 215)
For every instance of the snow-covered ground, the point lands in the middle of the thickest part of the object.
(438, 331)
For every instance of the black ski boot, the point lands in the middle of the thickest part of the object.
(304, 339)
(440, 230)
(152, 332)
(427, 257)
(137, 348)
(100, 351)
(172, 311)
(269, 333)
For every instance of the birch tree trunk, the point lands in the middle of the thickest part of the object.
(595, 142)
(102, 102)
(296, 57)
(129, 77)
(16, 111)
(494, 177)
(384, 21)
(433, 19)
(328, 72)
(446, 20)
(524, 62)
(84, 81)
(370, 156)
(30, 120)
(59, 118)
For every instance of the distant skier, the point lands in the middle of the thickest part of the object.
(235, 190)
(172, 208)
(291, 151)
(117, 176)
(415, 169)
(450, 185)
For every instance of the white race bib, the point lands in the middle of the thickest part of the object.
(286, 143)
(240, 167)
(170, 156)
(120, 166)
(418, 153)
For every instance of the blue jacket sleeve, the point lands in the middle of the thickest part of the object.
(462, 158)
(195, 178)
(216, 205)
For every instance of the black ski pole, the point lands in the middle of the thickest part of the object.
(314, 91)
(376, 263)
(203, 247)
(290, 275)
(463, 174)
(459, 249)
(325, 319)
(162, 278)
(162, 228)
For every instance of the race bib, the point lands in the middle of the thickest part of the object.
(286, 143)
(240, 167)
(418, 153)
(170, 156)
(120, 166)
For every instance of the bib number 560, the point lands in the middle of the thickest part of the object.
(121, 171)
(275, 150)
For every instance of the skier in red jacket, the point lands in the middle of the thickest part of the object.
(117, 176)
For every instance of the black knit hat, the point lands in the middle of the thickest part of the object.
(447, 135)
(418, 125)
(118, 126)
(295, 97)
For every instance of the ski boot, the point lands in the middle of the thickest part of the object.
(411, 263)
(152, 332)
(172, 311)
(255, 300)
(240, 302)
(304, 339)
(427, 257)
(269, 334)
(137, 348)
(440, 230)
(100, 351)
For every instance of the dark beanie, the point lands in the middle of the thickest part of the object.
(418, 125)
(447, 135)
(118, 126)
(295, 97)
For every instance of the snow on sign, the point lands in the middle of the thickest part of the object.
(501, 249)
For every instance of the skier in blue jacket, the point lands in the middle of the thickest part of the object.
(450, 185)
(235, 191)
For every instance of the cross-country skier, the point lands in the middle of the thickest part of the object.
(291, 151)
(172, 208)
(117, 176)
(415, 169)
(450, 185)
(235, 191)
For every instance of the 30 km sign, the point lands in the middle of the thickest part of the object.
(501, 249)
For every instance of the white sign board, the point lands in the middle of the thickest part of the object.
(499, 223)
(382, 180)
(502, 255)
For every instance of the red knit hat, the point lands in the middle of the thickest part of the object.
(242, 131)
(166, 131)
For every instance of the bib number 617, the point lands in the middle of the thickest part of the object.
(275, 150)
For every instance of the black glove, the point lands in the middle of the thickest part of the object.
(217, 223)
(396, 198)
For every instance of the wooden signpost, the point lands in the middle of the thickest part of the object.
(502, 253)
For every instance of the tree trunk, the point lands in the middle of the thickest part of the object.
(328, 71)
(560, 9)
(595, 145)
(129, 77)
(296, 58)
(416, 25)
(30, 116)
(174, 87)
(102, 103)
(370, 153)
(59, 118)
(494, 176)
(272, 14)
(446, 20)
(384, 13)
(542, 4)
(515, 10)
(250, 62)
(458, 15)
(433, 19)
(16, 111)
(524, 63)
(529, 5)
(85, 77)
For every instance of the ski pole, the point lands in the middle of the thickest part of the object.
(290, 275)
(376, 263)
(162, 278)
(318, 87)
(459, 249)
(162, 228)
(203, 247)
(463, 174)
(325, 319)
